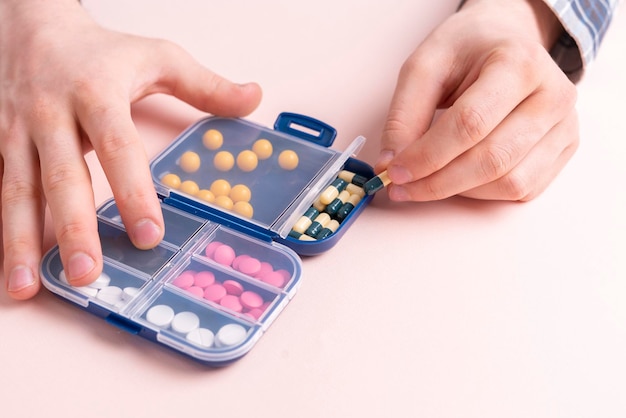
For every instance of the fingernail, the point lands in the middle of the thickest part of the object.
(78, 266)
(384, 158)
(146, 234)
(399, 174)
(20, 278)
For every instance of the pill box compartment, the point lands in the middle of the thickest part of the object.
(220, 277)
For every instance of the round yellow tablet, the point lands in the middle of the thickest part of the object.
(189, 162)
(288, 159)
(212, 139)
(247, 160)
(243, 208)
(220, 187)
(224, 202)
(189, 187)
(240, 193)
(171, 180)
(206, 195)
(262, 148)
(223, 161)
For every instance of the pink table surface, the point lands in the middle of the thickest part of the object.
(456, 308)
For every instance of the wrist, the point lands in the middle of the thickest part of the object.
(532, 18)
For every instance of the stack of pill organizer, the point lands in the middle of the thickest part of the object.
(234, 196)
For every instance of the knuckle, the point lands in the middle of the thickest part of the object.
(516, 186)
(112, 147)
(131, 201)
(69, 231)
(395, 129)
(434, 191)
(16, 245)
(60, 176)
(470, 124)
(15, 191)
(494, 161)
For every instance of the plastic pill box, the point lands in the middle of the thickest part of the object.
(232, 193)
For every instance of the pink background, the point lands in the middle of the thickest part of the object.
(457, 308)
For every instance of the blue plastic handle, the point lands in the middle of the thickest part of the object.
(305, 127)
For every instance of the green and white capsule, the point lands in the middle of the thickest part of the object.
(299, 236)
(318, 224)
(333, 190)
(328, 230)
(354, 189)
(347, 207)
(376, 183)
(351, 177)
(334, 206)
(305, 220)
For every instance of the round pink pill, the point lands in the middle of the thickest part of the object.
(251, 300)
(237, 260)
(203, 279)
(273, 278)
(210, 249)
(214, 292)
(233, 287)
(224, 255)
(196, 291)
(231, 302)
(265, 268)
(286, 275)
(250, 266)
(184, 280)
(255, 313)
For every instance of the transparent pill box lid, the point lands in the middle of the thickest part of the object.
(219, 278)
(278, 195)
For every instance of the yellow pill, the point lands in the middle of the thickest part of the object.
(212, 139)
(171, 180)
(240, 193)
(220, 187)
(189, 162)
(288, 160)
(189, 187)
(224, 202)
(243, 208)
(263, 149)
(247, 160)
(206, 195)
(223, 161)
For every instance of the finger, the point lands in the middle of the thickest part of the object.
(503, 149)
(122, 156)
(502, 84)
(418, 91)
(67, 186)
(183, 77)
(22, 218)
(533, 175)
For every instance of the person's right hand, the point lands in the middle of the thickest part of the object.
(66, 85)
